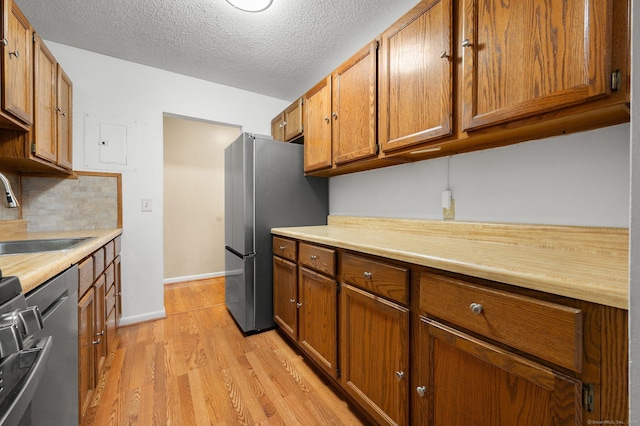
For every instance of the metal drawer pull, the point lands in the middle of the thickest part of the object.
(16, 54)
(282, 247)
(421, 390)
(314, 257)
(444, 55)
(298, 304)
(367, 274)
(399, 375)
(97, 342)
(476, 308)
(466, 43)
(292, 300)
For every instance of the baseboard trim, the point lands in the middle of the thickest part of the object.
(136, 319)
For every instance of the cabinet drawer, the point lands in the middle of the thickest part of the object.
(381, 278)
(85, 275)
(109, 252)
(285, 248)
(550, 331)
(317, 258)
(117, 245)
(110, 276)
(98, 262)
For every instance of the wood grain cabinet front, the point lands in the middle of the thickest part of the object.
(374, 354)
(468, 381)
(415, 103)
(17, 67)
(288, 125)
(99, 312)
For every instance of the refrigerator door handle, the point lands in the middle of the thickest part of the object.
(237, 253)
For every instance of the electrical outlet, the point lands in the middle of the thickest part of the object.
(147, 205)
(451, 212)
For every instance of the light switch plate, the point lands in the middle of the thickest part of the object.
(147, 205)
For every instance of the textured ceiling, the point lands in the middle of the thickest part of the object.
(280, 52)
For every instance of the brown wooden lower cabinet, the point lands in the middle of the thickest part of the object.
(374, 354)
(317, 319)
(98, 312)
(467, 381)
(424, 347)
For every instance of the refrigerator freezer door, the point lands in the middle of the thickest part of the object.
(239, 289)
(239, 199)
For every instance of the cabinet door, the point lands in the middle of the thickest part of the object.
(100, 341)
(354, 127)
(415, 78)
(17, 63)
(44, 131)
(526, 57)
(86, 350)
(374, 354)
(317, 318)
(65, 118)
(277, 127)
(118, 284)
(285, 285)
(293, 120)
(466, 381)
(317, 135)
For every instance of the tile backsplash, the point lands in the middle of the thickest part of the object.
(53, 204)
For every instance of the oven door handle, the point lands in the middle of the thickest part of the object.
(30, 384)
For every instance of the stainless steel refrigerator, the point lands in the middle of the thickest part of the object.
(265, 187)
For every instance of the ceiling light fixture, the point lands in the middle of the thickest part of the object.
(250, 5)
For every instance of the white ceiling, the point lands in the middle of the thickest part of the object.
(280, 52)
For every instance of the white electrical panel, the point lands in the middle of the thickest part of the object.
(110, 143)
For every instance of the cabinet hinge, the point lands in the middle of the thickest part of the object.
(616, 81)
(33, 148)
(587, 397)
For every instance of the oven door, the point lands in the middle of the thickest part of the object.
(16, 407)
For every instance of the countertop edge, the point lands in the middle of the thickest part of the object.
(582, 288)
(34, 269)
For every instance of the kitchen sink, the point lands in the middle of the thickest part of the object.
(34, 246)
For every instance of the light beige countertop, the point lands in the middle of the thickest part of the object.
(584, 263)
(35, 268)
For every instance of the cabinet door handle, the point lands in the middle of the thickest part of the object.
(444, 55)
(100, 334)
(97, 342)
(292, 300)
(466, 43)
(282, 247)
(298, 304)
(313, 257)
(399, 375)
(367, 274)
(334, 114)
(326, 119)
(421, 390)
(16, 54)
(5, 41)
(476, 308)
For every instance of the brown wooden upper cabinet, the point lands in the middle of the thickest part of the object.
(353, 113)
(17, 68)
(50, 135)
(532, 56)
(287, 125)
(340, 114)
(416, 77)
(317, 122)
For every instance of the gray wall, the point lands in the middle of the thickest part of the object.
(579, 179)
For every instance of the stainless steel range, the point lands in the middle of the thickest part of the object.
(23, 357)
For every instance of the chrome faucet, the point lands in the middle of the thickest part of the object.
(10, 199)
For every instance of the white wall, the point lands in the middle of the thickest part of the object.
(578, 179)
(634, 255)
(106, 86)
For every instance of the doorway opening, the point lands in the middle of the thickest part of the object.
(193, 195)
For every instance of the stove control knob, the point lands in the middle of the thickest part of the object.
(30, 320)
(10, 340)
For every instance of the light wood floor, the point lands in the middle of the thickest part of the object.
(196, 368)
